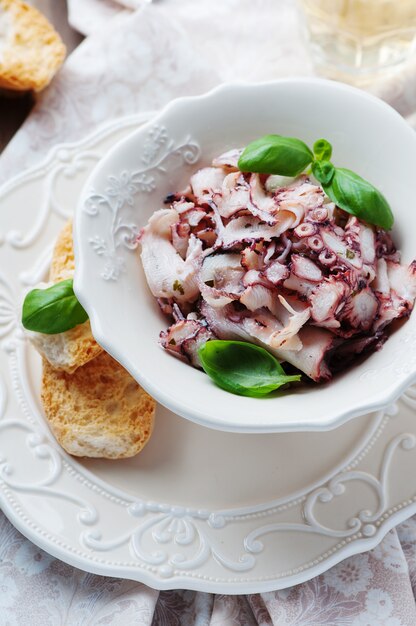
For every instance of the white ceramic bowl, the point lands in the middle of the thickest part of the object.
(133, 179)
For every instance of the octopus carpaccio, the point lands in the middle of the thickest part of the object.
(239, 256)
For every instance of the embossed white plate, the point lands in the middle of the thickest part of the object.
(199, 508)
(133, 179)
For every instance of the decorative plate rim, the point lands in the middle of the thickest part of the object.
(40, 444)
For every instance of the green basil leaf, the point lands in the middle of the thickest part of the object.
(358, 197)
(243, 368)
(274, 154)
(322, 150)
(323, 171)
(52, 310)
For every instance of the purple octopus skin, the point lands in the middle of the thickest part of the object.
(238, 256)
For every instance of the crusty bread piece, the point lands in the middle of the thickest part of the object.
(69, 350)
(31, 51)
(99, 411)
(75, 347)
(93, 406)
(63, 262)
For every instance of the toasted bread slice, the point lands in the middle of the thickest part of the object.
(69, 350)
(63, 262)
(31, 50)
(99, 411)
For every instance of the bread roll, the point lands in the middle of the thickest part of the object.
(31, 51)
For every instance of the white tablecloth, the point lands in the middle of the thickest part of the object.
(137, 59)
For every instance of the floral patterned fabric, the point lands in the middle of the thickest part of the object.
(137, 61)
(372, 589)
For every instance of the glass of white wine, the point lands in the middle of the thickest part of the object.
(357, 39)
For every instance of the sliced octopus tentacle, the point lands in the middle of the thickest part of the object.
(236, 256)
